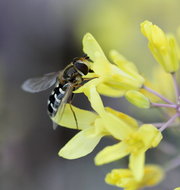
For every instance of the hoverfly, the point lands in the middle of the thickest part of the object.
(66, 81)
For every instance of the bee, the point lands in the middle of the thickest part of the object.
(66, 81)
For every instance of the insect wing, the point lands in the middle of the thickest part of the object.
(60, 111)
(39, 84)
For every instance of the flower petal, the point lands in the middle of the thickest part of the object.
(85, 87)
(122, 63)
(136, 164)
(111, 153)
(126, 118)
(94, 51)
(122, 178)
(81, 144)
(100, 128)
(85, 119)
(116, 126)
(153, 174)
(89, 89)
(151, 136)
(95, 100)
(108, 90)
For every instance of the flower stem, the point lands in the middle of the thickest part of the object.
(157, 125)
(169, 122)
(158, 95)
(176, 86)
(163, 105)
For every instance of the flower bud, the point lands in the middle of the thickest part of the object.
(138, 99)
(163, 47)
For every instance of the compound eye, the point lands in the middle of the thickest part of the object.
(82, 67)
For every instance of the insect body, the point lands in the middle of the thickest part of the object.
(66, 81)
(55, 98)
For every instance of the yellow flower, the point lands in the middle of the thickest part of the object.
(86, 140)
(177, 188)
(163, 47)
(124, 178)
(114, 79)
(134, 141)
(90, 124)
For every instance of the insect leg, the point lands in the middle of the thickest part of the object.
(74, 115)
(88, 79)
(75, 118)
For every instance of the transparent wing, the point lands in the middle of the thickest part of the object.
(67, 95)
(38, 84)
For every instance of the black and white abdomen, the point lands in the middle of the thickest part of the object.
(55, 99)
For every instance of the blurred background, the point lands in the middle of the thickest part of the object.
(42, 36)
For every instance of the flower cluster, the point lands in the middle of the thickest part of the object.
(118, 78)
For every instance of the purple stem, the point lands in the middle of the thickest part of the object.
(158, 125)
(158, 95)
(175, 86)
(164, 105)
(169, 122)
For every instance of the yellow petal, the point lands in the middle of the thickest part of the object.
(154, 34)
(122, 63)
(89, 89)
(94, 51)
(111, 153)
(126, 118)
(108, 90)
(95, 100)
(153, 174)
(85, 87)
(174, 53)
(116, 126)
(151, 136)
(136, 164)
(85, 119)
(100, 128)
(122, 178)
(123, 80)
(81, 144)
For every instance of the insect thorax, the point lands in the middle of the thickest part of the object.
(72, 75)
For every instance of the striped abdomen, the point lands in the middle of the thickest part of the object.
(55, 99)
